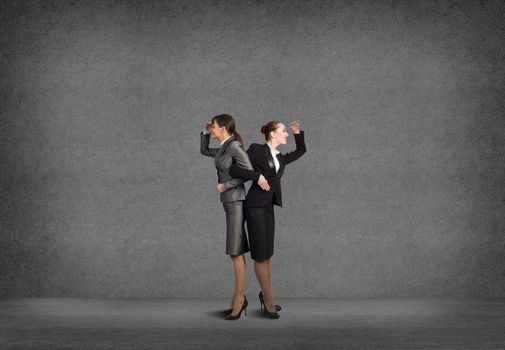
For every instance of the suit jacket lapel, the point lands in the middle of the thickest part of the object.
(220, 156)
(270, 160)
(281, 165)
(223, 148)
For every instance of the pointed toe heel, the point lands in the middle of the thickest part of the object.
(271, 315)
(262, 302)
(231, 317)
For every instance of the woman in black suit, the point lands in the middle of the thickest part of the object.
(259, 204)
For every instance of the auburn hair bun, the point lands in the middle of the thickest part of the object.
(263, 129)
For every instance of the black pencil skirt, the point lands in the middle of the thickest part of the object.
(261, 230)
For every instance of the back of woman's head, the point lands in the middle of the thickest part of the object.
(228, 122)
(268, 128)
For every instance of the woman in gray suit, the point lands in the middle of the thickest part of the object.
(222, 128)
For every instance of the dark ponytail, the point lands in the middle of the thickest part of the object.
(268, 128)
(238, 137)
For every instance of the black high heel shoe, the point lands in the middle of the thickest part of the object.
(273, 315)
(231, 317)
(226, 312)
(277, 307)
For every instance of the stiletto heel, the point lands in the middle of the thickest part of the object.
(277, 307)
(231, 317)
(262, 302)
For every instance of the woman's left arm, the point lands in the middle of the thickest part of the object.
(300, 144)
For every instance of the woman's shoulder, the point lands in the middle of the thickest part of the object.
(255, 146)
(235, 144)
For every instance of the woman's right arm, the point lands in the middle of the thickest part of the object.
(204, 146)
(204, 142)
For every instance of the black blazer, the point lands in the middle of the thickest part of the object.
(263, 163)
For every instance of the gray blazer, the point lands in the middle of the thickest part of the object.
(229, 152)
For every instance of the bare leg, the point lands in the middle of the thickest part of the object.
(261, 271)
(240, 273)
(269, 270)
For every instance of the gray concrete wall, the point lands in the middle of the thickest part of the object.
(104, 192)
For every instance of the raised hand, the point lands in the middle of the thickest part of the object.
(206, 126)
(263, 183)
(295, 127)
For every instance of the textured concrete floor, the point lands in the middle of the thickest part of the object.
(304, 323)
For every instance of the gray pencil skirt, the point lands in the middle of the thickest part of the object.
(236, 239)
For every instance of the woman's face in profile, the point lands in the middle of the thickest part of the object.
(280, 135)
(216, 130)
